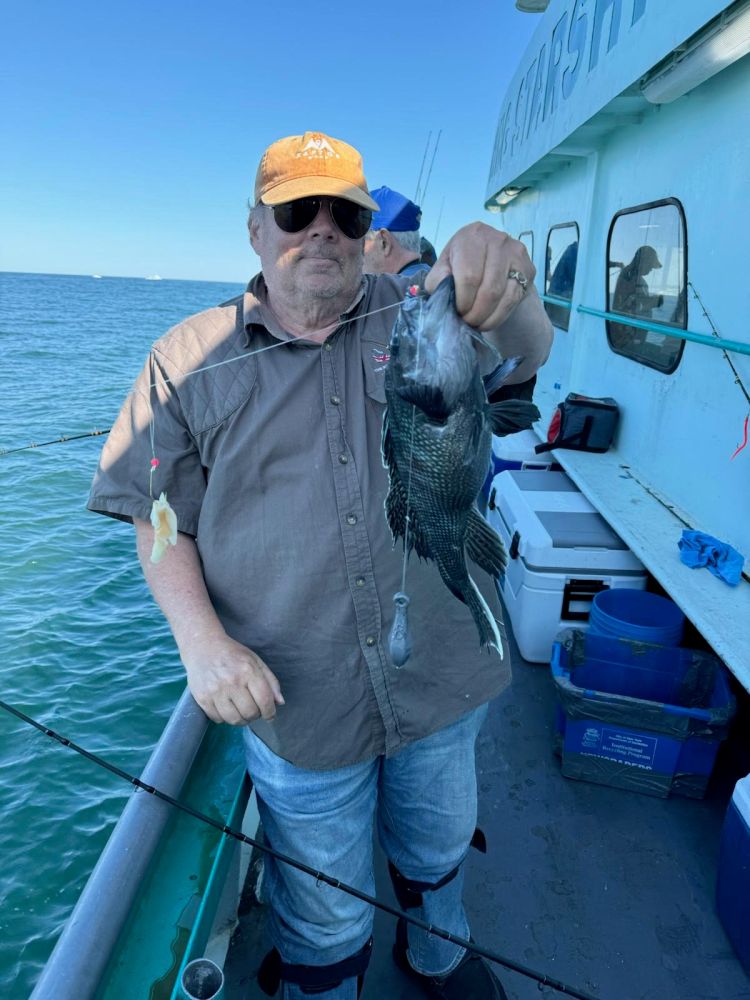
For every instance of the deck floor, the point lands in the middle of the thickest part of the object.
(609, 891)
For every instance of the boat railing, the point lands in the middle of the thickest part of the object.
(698, 338)
(83, 951)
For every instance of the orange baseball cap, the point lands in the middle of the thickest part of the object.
(311, 164)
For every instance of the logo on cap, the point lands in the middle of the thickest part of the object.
(318, 145)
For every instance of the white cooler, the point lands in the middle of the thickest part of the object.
(516, 451)
(561, 553)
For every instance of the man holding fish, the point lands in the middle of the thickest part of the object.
(265, 419)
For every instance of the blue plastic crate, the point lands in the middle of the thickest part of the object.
(638, 716)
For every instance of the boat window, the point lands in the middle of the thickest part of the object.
(647, 279)
(560, 270)
(527, 238)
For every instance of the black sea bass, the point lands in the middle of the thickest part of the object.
(437, 442)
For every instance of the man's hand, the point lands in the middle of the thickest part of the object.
(480, 259)
(230, 682)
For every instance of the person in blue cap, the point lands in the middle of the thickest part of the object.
(393, 245)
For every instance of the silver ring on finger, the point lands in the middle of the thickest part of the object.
(521, 278)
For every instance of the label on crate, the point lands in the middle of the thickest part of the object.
(633, 747)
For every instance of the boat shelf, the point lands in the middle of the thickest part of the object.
(652, 531)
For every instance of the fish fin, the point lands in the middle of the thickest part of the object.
(395, 501)
(395, 512)
(489, 633)
(499, 375)
(512, 415)
(484, 545)
(428, 398)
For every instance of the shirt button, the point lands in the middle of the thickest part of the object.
(360, 581)
(335, 400)
(351, 518)
(343, 459)
(371, 640)
(328, 347)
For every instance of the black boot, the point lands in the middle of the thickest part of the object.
(472, 979)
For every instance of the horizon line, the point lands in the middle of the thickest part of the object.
(126, 277)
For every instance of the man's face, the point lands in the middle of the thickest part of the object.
(375, 259)
(319, 262)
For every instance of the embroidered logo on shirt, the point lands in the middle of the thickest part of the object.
(381, 356)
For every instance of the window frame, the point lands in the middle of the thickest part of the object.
(528, 232)
(547, 278)
(659, 203)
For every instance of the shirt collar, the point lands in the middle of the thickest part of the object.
(256, 311)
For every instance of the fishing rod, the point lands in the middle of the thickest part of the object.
(421, 169)
(432, 161)
(542, 979)
(737, 376)
(437, 225)
(61, 440)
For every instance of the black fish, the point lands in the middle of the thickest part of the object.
(437, 442)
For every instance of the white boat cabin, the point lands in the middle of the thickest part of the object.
(622, 161)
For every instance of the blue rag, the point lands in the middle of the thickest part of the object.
(699, 549)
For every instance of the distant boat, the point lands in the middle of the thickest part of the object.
(153, 277)
(96, 275)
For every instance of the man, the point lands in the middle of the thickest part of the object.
(393, 244)
(427, 252)
(261, 421)
(633, 297)
(632, 293)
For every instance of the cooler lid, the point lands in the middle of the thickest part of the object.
(558, 529)
(574, 531)
(540, 481)
(519, 447)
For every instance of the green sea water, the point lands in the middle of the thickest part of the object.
(83, 648)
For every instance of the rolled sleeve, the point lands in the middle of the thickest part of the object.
(151, 425)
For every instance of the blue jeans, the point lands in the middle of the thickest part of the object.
(426, 803)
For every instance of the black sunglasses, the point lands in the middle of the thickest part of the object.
(294, 216)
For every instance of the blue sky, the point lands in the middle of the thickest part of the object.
(131, 132)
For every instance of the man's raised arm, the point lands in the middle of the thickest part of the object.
(489, 268)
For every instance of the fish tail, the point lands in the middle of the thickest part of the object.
(489, 633)
(458, 580)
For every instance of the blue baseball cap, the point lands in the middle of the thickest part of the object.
(395, 212)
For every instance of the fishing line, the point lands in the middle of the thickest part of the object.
(166, 381)
(541, 978)
(399, 639)
(411, 460)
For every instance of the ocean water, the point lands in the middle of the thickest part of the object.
(83, 648)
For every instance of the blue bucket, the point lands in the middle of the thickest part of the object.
(636, 614)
